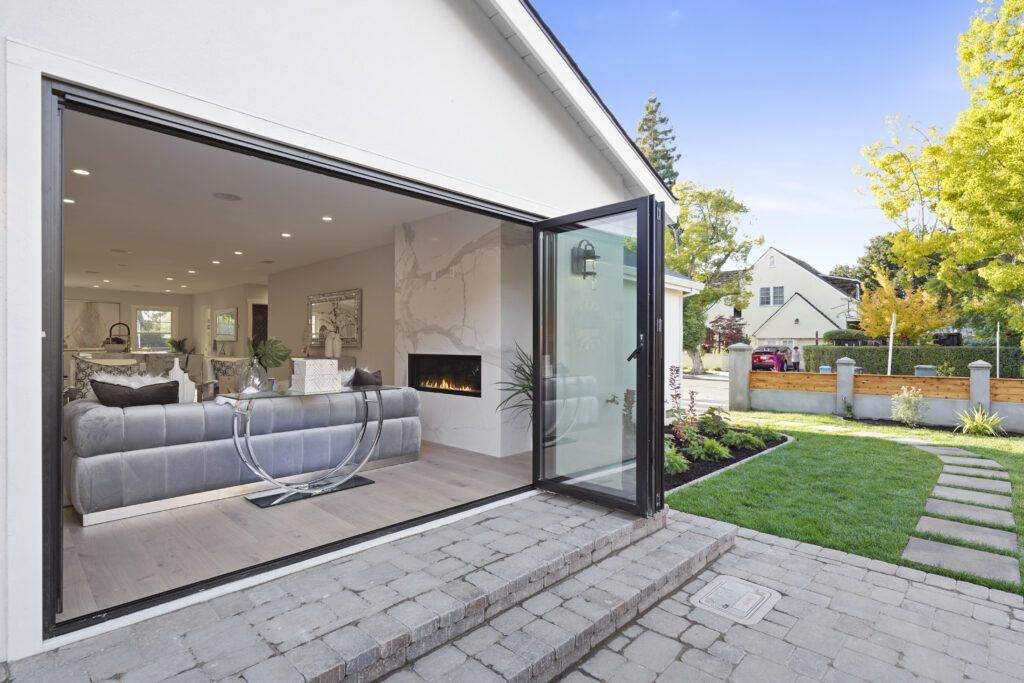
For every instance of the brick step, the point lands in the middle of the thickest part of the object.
(546, 634)
(366, 614)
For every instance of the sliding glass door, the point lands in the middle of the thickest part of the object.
(598, 354)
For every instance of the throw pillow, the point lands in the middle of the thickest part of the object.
(366, 378)
(123, 396)
(347, 376)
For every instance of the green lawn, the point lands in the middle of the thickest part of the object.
(862, 495)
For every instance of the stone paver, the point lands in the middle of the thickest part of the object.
(946, 450)
(823, 628)
(975, 483)
(993, 538)
(973, 497)
(970, 462)
(959, 559)
(976, 472)
(972, 512)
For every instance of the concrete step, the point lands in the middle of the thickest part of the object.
(545, 635)
(946, 450)
(970, 462)
(976, 472)
(974, 483)
(973, 497)
(959, 559)
(993, 538)
(973, 512)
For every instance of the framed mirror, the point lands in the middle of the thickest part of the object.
(340, 313)
(225, 324)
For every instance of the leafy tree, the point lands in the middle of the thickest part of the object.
(710, 240)
(958, 197)
(694, 332)
(877, 254)
(918, 312)
(727, 330)
(843, 270)
(657, 140)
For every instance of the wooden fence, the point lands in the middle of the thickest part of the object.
(1007, 390)
(793, 381)
(931, 387)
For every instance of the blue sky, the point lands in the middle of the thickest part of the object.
(774, 99)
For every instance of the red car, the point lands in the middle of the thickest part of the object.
(771, 358)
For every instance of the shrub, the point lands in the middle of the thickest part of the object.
(714, 422)
(745, 440)
(707, 449)
(946, 369)
(675, 462)
(909, 406)
(845, 335)
(765, 433)
(980, 422)
(904, 358)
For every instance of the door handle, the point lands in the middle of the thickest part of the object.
(636, 351)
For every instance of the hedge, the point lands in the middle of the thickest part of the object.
(904, 358)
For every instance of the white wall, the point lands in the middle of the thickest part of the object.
(127, 299)
(373, 271)
(423, 89)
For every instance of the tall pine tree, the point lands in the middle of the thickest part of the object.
(657, 140)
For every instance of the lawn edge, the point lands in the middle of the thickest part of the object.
(789, 440)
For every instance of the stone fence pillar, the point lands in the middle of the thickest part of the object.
(844, 384)
(981, 371)
(739, 376)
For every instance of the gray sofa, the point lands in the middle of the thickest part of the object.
(118, 457)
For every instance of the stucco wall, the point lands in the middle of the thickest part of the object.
(940, 411)
(792, 401)
(1012, 414)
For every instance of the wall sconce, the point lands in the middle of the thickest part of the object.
(584, 259)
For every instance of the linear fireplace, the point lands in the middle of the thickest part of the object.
(445, 373)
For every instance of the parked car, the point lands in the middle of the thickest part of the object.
(771, 358)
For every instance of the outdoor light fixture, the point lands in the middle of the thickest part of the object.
(584, 259)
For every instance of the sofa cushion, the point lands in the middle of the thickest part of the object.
(121, 396)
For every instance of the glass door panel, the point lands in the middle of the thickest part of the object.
(594, 350)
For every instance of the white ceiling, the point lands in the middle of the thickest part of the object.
(151, 195)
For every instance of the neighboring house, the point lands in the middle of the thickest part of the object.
(791, 302)
(411, 163)
(677, 288)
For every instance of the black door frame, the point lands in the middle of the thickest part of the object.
(59, 96)
(650, 358)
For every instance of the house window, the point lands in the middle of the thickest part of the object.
(771, 261)
(766, 296)
(154, 327)
(777, 296)
(737, 313)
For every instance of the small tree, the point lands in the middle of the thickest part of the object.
(917, 312)
(694, 334)
(727, 331)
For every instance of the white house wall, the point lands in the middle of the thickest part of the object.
(426, 89)
(793, 278)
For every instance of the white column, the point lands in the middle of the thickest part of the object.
(739, 376)
(844, 384)
(981, 371)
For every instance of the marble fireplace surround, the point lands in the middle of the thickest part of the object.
(463, 285)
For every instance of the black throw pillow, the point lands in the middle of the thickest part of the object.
(365, 378)
(120, 396)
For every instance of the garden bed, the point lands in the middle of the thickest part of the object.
(702, 468)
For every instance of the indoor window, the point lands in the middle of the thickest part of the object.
(154, 327)
(777, 296)
(766, 296)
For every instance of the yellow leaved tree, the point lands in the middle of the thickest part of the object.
(918, 312)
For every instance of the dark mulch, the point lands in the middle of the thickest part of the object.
(703, 468)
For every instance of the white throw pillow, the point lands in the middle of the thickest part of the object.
(346, 376)
(133, 381)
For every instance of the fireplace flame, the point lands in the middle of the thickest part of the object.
(446, 384)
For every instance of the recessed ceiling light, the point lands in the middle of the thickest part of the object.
(106, 280)
(192, 272)
(167, 290)
(286, 234)
(227, 196)
(184, 286)
(326, 219)
(96, 286)
(79, 171)
(238, 253)
(215, 262)
(169, 279)
(69, 200)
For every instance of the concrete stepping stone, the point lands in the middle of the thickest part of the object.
(972, 512)
(993, 538)
(967, 560)
(975, 472)
(974, 483)
(919, 443)
(970, 462)
(974, 497)
(946, 450)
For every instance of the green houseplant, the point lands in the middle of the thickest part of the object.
(519, 387)
(270, 353)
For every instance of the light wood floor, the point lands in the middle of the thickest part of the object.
(109, 564)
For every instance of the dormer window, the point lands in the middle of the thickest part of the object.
(771, 261)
